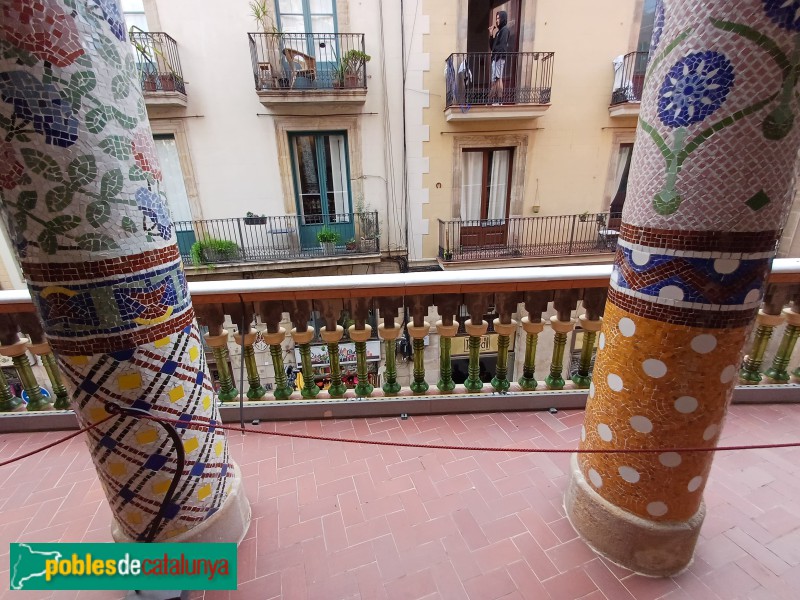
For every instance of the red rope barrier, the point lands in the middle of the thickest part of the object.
(196, 425)
(56, 443)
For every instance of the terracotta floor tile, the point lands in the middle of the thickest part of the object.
(354, 521)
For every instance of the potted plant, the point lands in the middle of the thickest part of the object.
(353, 63)
(271, 70)
(583, 216)
(351, 245)
(337, 75)
(254, 219)
(209, 251)
(328, 238)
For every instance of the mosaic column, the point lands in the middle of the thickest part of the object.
(86, 214)
(709, 189)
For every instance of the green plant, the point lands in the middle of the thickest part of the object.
(583, 216)
(353, 61)
(328, 236)
(261, 11)
(204, 251)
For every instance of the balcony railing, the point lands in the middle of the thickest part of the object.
(264, 239)
(377, 376)
(629, 78)
(527, 79)
(156, 55)
(308, 61)
(517, 237)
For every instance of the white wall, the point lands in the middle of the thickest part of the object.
(234, 151)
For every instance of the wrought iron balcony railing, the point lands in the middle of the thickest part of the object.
(263, 239)
(514, 237)
(156, 55)
(629, 78)
(482, 368)
(527, 78)
(308, 61)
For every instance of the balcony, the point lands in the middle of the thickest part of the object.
(156, 55)
(300, 68)
(628, 85)
(224, 242)
(527, 84)
(520, 238)
(376, 375)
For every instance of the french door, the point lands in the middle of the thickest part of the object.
(485, 196)
(309, 26)
(322, 185)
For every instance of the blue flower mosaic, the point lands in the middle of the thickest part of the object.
(785, 13)
(41, 104)
(113, 17)
(155, 209)
(695, 87)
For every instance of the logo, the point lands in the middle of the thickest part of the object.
(123, 566)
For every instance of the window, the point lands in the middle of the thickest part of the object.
(306, 16)
(322, 185)
(172, 184)
(646, 26)
(133, 11)
(486, 184)
(620, 187)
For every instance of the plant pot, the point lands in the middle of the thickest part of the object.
(215, 256)
(149, 84)
(351, 81)
(351, 246)
(328, 248)
(255, 220)
(369, 245)
(167, 83)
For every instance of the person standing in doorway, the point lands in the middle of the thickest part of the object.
(499, 34)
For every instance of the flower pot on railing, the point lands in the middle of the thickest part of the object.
(369, 245)
(167, 82)
(328, 248)
(255, 220)
(351, 81)
(149, 83)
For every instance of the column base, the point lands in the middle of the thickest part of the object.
(647, 547)
(228, 524)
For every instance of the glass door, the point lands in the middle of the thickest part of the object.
(485, 197)
(310, 29)
(322, 186)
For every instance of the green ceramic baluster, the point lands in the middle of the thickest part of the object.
(446, 334)
(555, 380)
(332, 338)
(778, 372)
(8, 401)
(750, 372)
(419, 385)
(389, 336)
(476, 332)
(282, 390)
(53, 373)
(35, 399)
(582, 378)
(504, 330)
(360, 336)
(532, 330)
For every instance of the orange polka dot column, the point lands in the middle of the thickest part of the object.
(710, 185)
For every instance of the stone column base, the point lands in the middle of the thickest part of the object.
(647, 547)
(228, 524)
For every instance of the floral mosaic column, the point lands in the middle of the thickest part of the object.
(82, 202)
(710, 185)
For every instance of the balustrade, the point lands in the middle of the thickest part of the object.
(498, 318)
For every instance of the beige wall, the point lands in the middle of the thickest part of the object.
(234, 148)
(572, 148)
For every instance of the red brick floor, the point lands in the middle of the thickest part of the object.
(337, 520)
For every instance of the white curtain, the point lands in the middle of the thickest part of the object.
(338, 185)
(498, 184)
(471, 183)
(172, 182)
(622, 161)
(618, 62)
